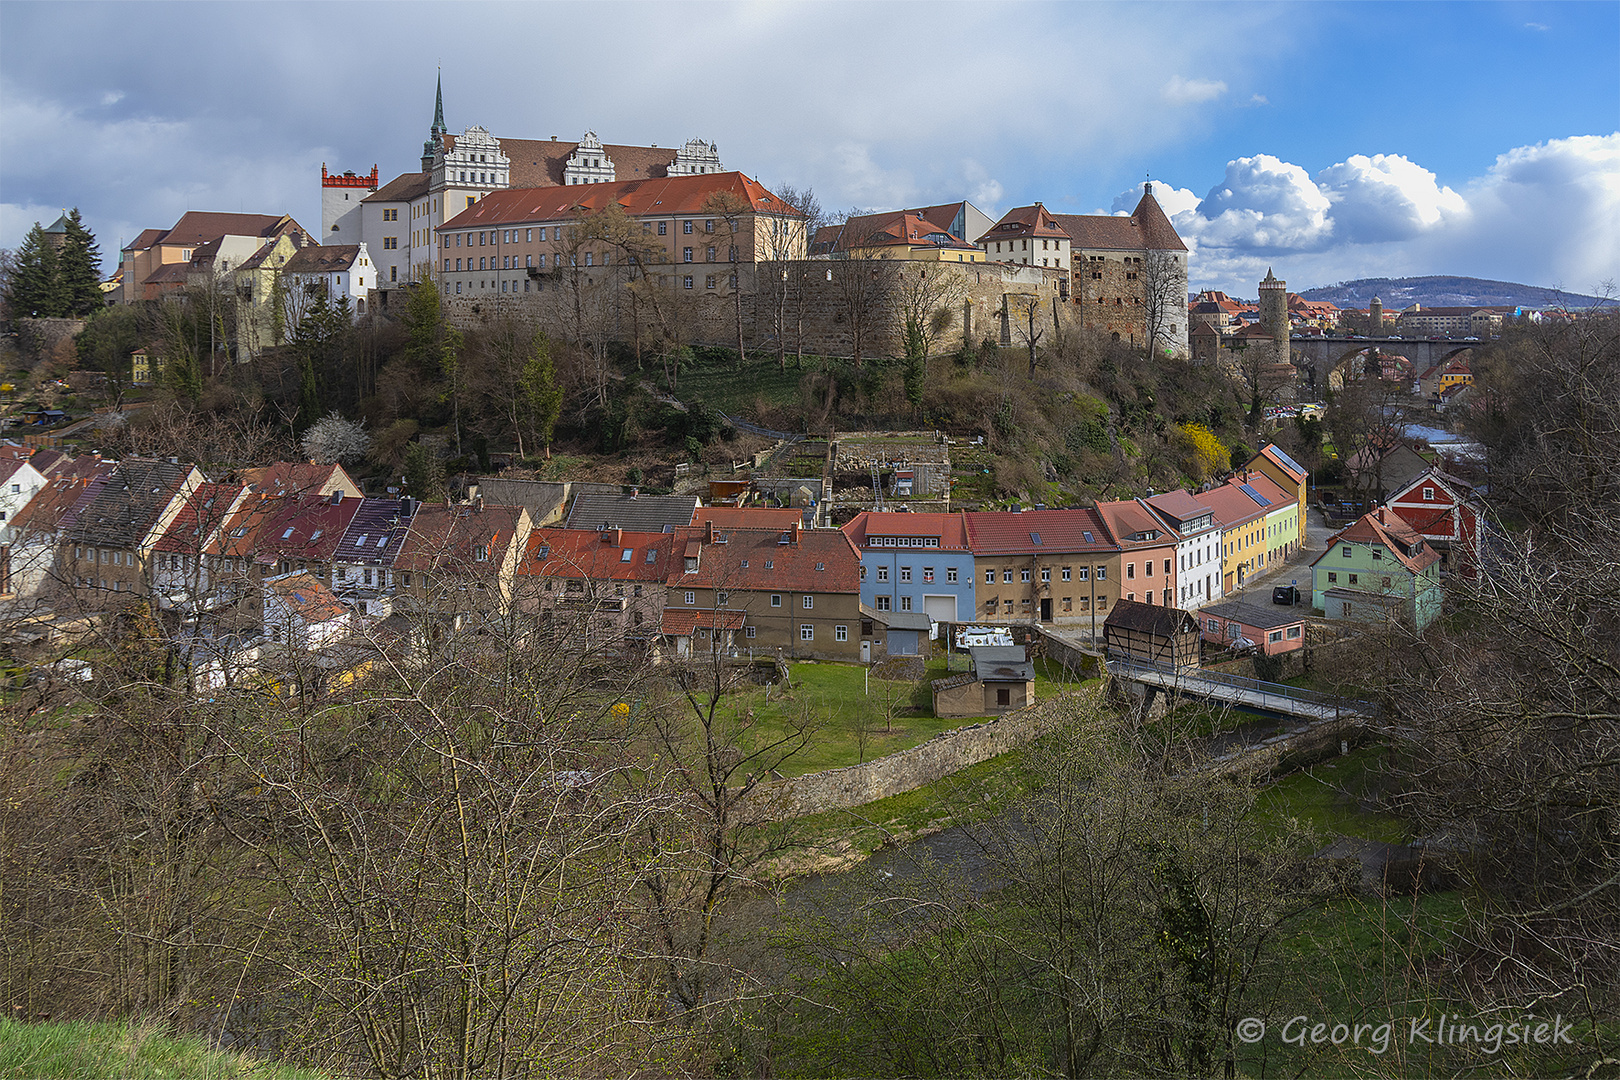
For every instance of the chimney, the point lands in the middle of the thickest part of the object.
(478, 505)
(634, 492)
(1381, 520)
(798, 527)
(708, 531)
(612, 537)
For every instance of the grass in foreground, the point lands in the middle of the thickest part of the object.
(121, 1050)
(1332, 797)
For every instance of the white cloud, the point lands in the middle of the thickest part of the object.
(1171, 199)
(112, 97)
(1180, 91)
(1386, 197)
(1547, 214)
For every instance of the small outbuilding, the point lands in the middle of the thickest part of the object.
(1151, 634)
(1236, 625)
(1001, 679)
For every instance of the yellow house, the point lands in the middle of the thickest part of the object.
(143, 369)
(1253, 512)
(259, 320)
(1288, 474)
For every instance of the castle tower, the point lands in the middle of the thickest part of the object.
(435, 143)
(1274, 315)
(1375, 318)
(341, 194)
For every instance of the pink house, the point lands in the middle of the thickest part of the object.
(1272, 630)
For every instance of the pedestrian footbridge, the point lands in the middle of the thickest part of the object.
(1239, 691)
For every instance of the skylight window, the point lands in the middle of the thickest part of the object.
(287, 535)
(1035, 538)
(362, 541)
(382, 541)
(627, 554)
(1088, 537)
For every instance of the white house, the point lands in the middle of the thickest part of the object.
(1198, 546)
(19, 482)
(343, 270)
(301, 612)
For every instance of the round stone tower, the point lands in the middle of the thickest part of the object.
(1274, 314)
(1375, 318)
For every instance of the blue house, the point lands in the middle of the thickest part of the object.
(915, 562)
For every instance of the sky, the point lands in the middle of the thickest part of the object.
(1330, 141)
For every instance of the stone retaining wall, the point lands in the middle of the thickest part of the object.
(907, 770)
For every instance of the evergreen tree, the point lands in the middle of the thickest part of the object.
(424, 473)
(541, 393)
(35, 291)
(79, 269)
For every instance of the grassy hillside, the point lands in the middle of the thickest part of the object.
(119, 1050)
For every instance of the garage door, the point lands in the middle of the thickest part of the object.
(940, 608)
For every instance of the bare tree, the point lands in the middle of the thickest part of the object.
(1025, 312)
(1164, 299)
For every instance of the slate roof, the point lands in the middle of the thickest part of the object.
(772, 565)
(129, 503)
(951, 529)
(1256, 615)
(669, 195)
(540, 497)
(1000, 532)
(322, 260)
(375, 532)
(638, 513)
(597, 555)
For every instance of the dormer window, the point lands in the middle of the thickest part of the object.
(691, 564)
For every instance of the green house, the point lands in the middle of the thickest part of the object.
(1379, 568)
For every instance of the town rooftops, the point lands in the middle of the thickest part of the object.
(1233, 506)
(1035, 532)
(879, 528)
(683, 622)
(299, 477)
(669, 195)
(1274, 453)
(130, 503)
(375, 532)
(893, 228)
(459, 538)
(306, 527)
(638, 513)
(200, 519)
(1179, 507)
(1134, 525)
(46, 510)
(748, 517)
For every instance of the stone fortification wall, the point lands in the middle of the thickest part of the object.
(895, 774)
(819, 316)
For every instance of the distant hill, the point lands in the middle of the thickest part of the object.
(1399, 293)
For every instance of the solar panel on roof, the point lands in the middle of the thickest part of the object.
(1286, 460)
(1255, 495)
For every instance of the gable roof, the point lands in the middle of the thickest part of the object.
(306, 596)
(760, 560)
(239, 536)
(1387, 529)
(197, 227)
(611, 555)
(297, 478)
(540, 162)
(638, 513)
(1128, 519)
(1274, 454)
(1146, 229)
(1177, 506)
(668, 195)
(1025, 221)
(1258, 616)
(201, 518)
(129, 503)
(1034, 532)
(46, 511)
(402, 188)
(748, 517)
(446, 538)
(893, 228)
(322, 260)
(951, 529)
(1155, 619)
(375, 532)
(306, 527)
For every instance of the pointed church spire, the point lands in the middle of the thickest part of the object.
(438, 107)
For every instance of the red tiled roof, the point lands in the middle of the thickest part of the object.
(1146, 229)
(305, 527)
(670, 195)
(1126, 518)
(540, 162)
(1025, 221)
(950, 528)
(147, 238)
(198, 226)
(402, 188)
(240, 533)
(46, 509)
(771, 563)
(683, 622)
(197, 526)
(894, 228)
(1232, 507)
(293, 477)
(596, 554)
(307, 597)
(1272, 454)
(1002, 532)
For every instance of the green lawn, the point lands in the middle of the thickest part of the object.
(1330, 797)
(853, 718)
(79, 1050)
(738, 392)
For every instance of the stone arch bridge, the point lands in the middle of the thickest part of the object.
(1316, 356)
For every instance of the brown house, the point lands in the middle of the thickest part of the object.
(106, 550)
(1145, 634)
(460, 562)
(795, 592)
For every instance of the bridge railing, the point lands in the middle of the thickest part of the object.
(1270, 692)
